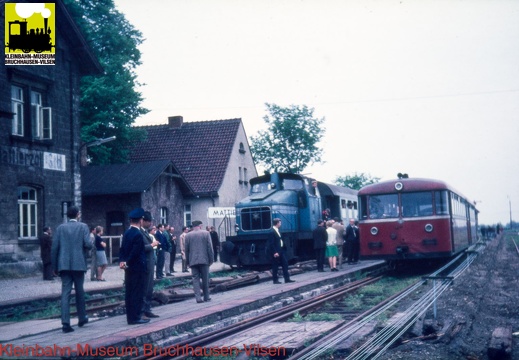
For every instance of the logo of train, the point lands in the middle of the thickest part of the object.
(30, 28)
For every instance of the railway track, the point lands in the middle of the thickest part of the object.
(431, 286)
(273, 316)
(109, 300)
(375, 345)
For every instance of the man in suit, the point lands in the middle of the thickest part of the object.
(320, 237)
(199, 256)
(161, 251)
(352, 242)
(216, 242)
(46, 258)
(150, 244)
(277, 252)
(133, 260)
(69, 249)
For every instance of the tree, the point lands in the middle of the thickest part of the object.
(355, 181)
(290, 143)
(110, 103)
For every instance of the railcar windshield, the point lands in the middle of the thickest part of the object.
(417, 204)
(383, 206)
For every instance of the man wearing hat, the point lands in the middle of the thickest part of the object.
(150, 244)
(199, 256)
(133, 260)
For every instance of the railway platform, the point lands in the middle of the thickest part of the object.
(36, 338)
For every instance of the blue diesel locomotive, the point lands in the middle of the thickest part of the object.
(298, 201)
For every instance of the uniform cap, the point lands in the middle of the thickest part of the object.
(136, 213)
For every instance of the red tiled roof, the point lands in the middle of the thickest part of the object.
(199, 150)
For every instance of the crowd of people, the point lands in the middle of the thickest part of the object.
(147, 252)
(336, 242)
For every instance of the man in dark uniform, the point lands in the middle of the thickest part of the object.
(320, 237)
(133, 261)
(150, 244)
(277, 252)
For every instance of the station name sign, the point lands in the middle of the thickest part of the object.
(220, 212)
(32, 158)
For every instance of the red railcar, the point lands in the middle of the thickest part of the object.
(414, 219)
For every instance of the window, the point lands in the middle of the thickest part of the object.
(187, 215)
(245, 175)
(442, 202)
(17, 109)
(417, 204)
(40, 118)
(383, 206)
(240, 175)
(163, 215)
(291, 184)
(28, 212)
(242, 148)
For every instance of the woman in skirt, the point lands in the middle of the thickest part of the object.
(331, 246)
(102, 262)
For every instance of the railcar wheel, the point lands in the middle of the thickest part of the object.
(26, 50)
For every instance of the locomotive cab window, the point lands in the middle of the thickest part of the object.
(260, 187)
(289, 184)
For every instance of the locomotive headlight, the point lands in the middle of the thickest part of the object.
(236, 227)
(429, 228)
(374, 230)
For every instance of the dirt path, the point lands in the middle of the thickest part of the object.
(484, 298)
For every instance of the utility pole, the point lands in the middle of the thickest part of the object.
(510, 207)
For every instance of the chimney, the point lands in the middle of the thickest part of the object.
(175, 122)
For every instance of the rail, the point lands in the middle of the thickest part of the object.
(276, 315)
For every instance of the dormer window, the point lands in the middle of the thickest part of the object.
(242, 148)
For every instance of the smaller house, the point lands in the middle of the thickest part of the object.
(180, 172)
(110, 192)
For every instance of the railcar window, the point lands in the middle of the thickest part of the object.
(363, 207)
(383, 206)
(441, 202)
(417, 204)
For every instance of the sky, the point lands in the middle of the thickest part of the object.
(425, 87)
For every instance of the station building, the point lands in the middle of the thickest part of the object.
(40, 139)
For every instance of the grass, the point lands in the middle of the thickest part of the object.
(315, 317)
(375, 293)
